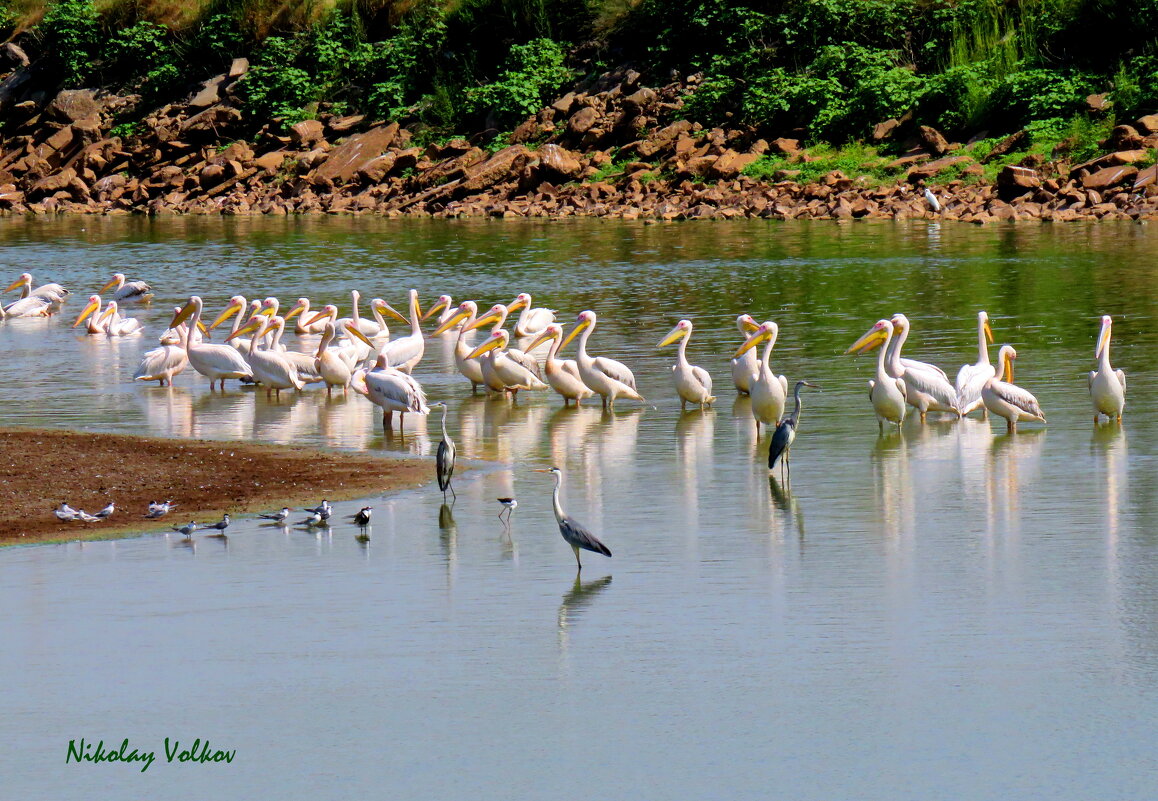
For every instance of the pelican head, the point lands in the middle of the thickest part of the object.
(257, 323)
(385, 308)
(585, 320)
(900, 323)
(186, 312)
(873, 338)
(269, 307)
(498, 339)
(25, 279)
(763, 333)
(302, 305)
(329, 310)
(94, 303)
(497, 314)
(522, 300)
(747, 324)
(682, 329)
(983, 318)
(109, 311)
(466, 310)
(235, 305)
(551, 331)
(1104, 337)
(117, 281)
(1005, 358)
(443, 302)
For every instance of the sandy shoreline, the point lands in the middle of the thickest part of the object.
(39, 468)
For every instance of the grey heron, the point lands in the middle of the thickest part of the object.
(785, 433)
(444, 459)
(509, 506)
(574, 533)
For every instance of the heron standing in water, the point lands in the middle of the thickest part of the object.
(444, 459)
(785, 434)
(575, 534)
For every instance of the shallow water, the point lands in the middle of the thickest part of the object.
(945, 612)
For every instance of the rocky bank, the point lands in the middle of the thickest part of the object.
(612, 148)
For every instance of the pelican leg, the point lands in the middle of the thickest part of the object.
(684, 405)
(1010, 426)
(923, 413)
(388, 420)
(984, 413)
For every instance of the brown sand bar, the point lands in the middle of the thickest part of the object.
(39, 468)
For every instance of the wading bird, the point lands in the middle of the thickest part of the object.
(744, 367)
(127, 290)
(404, 353)
(531, 322)
(215, 362)
(85, 517)
(971, 378)
(107, 511)
(91, 312)
(159, 509)
(464, 317)
(886, 393)
(509, 506)
(769, 392)
(502, 370)
(931, 199)
(220, 525)
(1107, 385)
(117, 326)
(186, 529)
(65, 512)
(389, 389)
(278, 517)
(561, 374)
(161, 364)
(324, 509)
(375, 329)
(445, 305)
(1005, 399)
(927, 388)
(362, 518)
(52, 294)
(606, 377)
(785, 435)
(574, 533)
(692, 383)
(313, 521)
(444, 459)
(273, 369)
(329, 362)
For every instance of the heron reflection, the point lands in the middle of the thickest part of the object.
(577, 599)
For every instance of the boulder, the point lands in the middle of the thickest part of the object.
(343, 125)
(1109, 176)
(1006, 146)
(59, 181)
(582, 121)
(560, 162)
(926, 170)
(307, 133)
(13, 56)
(345, 159)
(1148, 177)
(564, 104)
(212, 120)
(785, 147)
(662, 139)
(730, 164)
(1016, 181)
(885, 130)
(238, 68)
(71, 105)
(933, 139)
(1096, 104)
(1123, 137)
(212, 175)
(209, 93)
(376, 170)
(505, 165)
(1148, 125)
(272, 160)
(640, 101)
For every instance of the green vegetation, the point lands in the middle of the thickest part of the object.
(819, 70)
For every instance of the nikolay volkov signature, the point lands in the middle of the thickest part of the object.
(80, 751)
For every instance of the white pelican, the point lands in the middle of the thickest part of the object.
(391, 390)
(303, 326)
(464, 316)
(501, 371)
(303, 362)
(886, 392)
(329, 362)
(926, 387)
(91, 312)
(531, 321)
(692, 384)
(161, 364)
(118, 326)
(375, 329)
(609, 378)
(1107, 385)
(271, 368)
(744, 367)
(562, 374)
(30, 306)
(404, 353)
(1005, 399)
(498, 315)
(233, 308)
(55, 294)
(769, 391)
(215, 362)
(127, 290)
(445, 305)
(971, 378)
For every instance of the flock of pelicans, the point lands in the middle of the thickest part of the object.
(359, 352)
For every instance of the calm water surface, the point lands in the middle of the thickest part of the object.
(947, 612)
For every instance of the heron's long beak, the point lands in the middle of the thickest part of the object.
(112, 283)
(89, 309)
(541, 338)
(516, 304)
(182, 315)
(351, 331)
(871, 340)
(988, 333)
(574, 332)
(486, 319)
(1103, 340)
(451, 321)
(751, 342)
(230, 310)
(388, 309)
(485, 347)
(437, 307)
(675, 335)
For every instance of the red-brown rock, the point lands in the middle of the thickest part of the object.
(933, 139)
(345, 159)
(926, 170)
(885, 130)
(1148, 125)
(307, 133)
(785, 147)
(582, 121)
(502, 166)
(560, 162)
(1109, 176)
(71, 105)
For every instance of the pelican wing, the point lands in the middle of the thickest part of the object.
(570, 367)
(913, 364)
(400, 351)
(1121, 378)
(970, 381)
(904, 389)
(526, 360)
(1016, 396)
(394, 390)
(615, 370)
(535, 321)
(936, 387)
(31, 306)
(162, 362)
(702, 376)
(133, 290)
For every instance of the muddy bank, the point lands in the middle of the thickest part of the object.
(41, 468)
(615, 148)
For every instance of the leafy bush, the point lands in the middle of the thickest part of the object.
(1035, 94)
(274, 85)
(533, 71)
(71, 32)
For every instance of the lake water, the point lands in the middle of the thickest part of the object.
(947, 612)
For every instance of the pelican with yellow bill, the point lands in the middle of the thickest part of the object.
(744, 367)
(405, 352)
(272, 369)
(606, 377)
(692, 383)
(389, 389)
(886, 393)
(503, 372)
(215, 362)
(561, 374)
(1006, 399)
(769, 392)
(463, 317)
(1107, 385)
(124, 291)
(971, 378)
